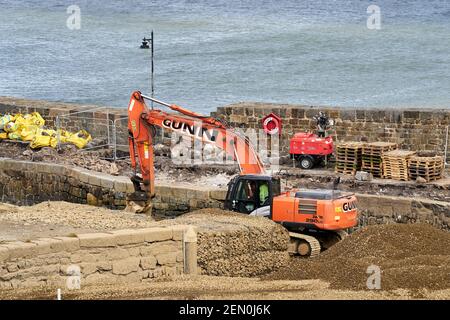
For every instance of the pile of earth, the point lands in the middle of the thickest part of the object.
(410, 256)
(234, 244)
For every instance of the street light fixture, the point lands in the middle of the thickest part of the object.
(147, 43)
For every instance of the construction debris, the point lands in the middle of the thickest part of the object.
(396, 163)
(30, 128)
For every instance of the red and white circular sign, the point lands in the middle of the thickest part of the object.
(272, 124)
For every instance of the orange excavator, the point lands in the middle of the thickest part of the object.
(315, 219)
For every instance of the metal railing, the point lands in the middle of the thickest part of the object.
(102, 128)
(446, 149)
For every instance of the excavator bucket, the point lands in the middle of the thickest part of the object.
(139, 202)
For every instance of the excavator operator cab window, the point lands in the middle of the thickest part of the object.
(250, 194)
(246, 196)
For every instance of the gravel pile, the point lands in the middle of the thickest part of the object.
(233, 244)
(409, 256)
(54, 213)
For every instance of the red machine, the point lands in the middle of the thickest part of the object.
(309, 149)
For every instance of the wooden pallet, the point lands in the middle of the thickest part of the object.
(348, 157)
(428, 168)
(378, 148)
(395, 164)
(372, 157)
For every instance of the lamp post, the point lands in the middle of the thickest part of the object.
(145, 45)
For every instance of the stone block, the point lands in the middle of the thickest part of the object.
(170, 271)
(180, 257)
(83, 175)
(128, 236)
(178, 232)
(157, 234)
(92, 200)
(156, 273)
(126, 266)
(120, 186)
(167, 258)
(117, 254)
(88, 268)
(107, 182)
(94, 179)
(148, 262)
(348, 114)
(56, 245)
(363, 176)
(20, 249)
(100, 278)
(411, 114)
(92, 240)
(104, 266)
(42, 246)
(70, 244)
(4, 254)
(159, 248)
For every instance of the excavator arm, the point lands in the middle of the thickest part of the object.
(141, 127)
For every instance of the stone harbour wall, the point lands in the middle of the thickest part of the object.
(375, 209)
(129, 256)
(413, 129)
(28, 183)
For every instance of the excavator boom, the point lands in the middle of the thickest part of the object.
(141, 127)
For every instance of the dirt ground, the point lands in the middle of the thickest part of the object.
(410, 256)
(58, 218)
(222, 288)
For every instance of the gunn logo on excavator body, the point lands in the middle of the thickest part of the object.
(349, 206)
(191, 130)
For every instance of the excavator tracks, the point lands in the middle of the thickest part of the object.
(304, 245)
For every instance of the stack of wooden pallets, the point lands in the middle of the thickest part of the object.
(372, 160)
(396, 164)
(348, 157)
(429, 168)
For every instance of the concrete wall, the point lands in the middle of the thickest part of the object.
(414, 129)
(112, 257)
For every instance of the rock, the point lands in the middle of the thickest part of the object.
(421, 180)
(113, 170)
(363, 176)
(91, 199)
(27, 153)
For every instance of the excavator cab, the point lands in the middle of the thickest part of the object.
(252, 194)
